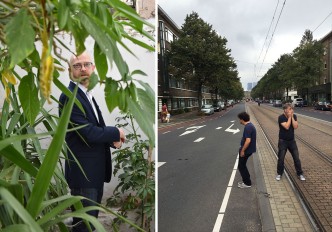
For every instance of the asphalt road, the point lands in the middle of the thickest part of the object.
(195, 169)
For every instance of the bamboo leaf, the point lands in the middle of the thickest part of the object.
(13, 122)
(138, 72)
(28, 95)
(63, 13)
(111, 94)
(143, 119)
(101, 62)
(67, 92)
(46, 170)
(20, 210)
(106, 44)
(140, 43)
(17, 158)
(93, 81)
(17, 228)
(61, 207)
(19, 27)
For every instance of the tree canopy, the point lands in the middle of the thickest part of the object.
(201, 57)
(300, 70)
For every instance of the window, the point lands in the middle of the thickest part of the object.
(169, 35)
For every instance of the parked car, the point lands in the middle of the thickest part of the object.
(329, 105)
(321, 106)
(298, 102)
(207, 109)
(222, 105)
(277, 103)
(217, 107)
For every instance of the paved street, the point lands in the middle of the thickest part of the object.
(196, 176)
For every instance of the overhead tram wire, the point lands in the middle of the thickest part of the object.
(322, 22)
(283, 5)
(275, 10)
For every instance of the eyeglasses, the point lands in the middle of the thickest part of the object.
(79, 66)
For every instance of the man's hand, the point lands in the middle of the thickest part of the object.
(122, 135)
(242, 153)
(118, 144)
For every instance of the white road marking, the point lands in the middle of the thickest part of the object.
(224, 203)
(218, 128)
(232, 130)
(233, 121)
(166, 132)
(181, 127)
(161, 164)
(199, 139)
(217, 225)
(191, 130)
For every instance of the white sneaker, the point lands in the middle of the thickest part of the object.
(243, 185)
(278, 177)
(239, 183)
(302, 177)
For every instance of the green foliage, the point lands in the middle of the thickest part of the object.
(201, 57)
(301, 69)
(33, 190)
(136, 176)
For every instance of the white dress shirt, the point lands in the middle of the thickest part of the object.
(89, 96)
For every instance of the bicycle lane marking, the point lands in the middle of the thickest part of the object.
(224, 203)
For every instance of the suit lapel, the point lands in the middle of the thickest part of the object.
(86, 103)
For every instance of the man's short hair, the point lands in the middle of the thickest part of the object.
(287, 105)
(244, 116)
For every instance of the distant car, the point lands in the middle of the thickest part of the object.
(217, 107)
(322, 106)
(207, 109)
(277, 103)
(222, 105)
(329, 105)
(298, 102)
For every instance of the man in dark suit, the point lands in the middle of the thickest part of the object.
(91, 144)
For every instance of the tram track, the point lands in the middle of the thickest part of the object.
(316, 160)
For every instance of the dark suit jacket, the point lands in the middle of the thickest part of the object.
(90, 145)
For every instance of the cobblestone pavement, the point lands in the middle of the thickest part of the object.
(313, 139)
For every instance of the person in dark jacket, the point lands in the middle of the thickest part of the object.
(90, 145)
(287, 124)
(247, 148)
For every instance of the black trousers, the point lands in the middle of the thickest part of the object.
(242, 166)
(90, 193)
(283, 146)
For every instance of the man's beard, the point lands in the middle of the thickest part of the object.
(82, 79)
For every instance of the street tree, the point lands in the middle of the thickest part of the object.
(309, 64)
(199, 55)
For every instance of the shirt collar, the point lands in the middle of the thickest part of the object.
(83, 88)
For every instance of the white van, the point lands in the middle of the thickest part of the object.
(297, 102)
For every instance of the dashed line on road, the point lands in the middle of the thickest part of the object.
(224, 203)
(161, 164)
(180, 127)
(218, 128)
(199, 139)
(166, 132)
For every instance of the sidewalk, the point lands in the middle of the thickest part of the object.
(277, 199)
(280, 209)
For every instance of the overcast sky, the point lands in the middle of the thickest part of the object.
(245, 24)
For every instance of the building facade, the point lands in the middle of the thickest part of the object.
(178, 94)
(321, 92)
